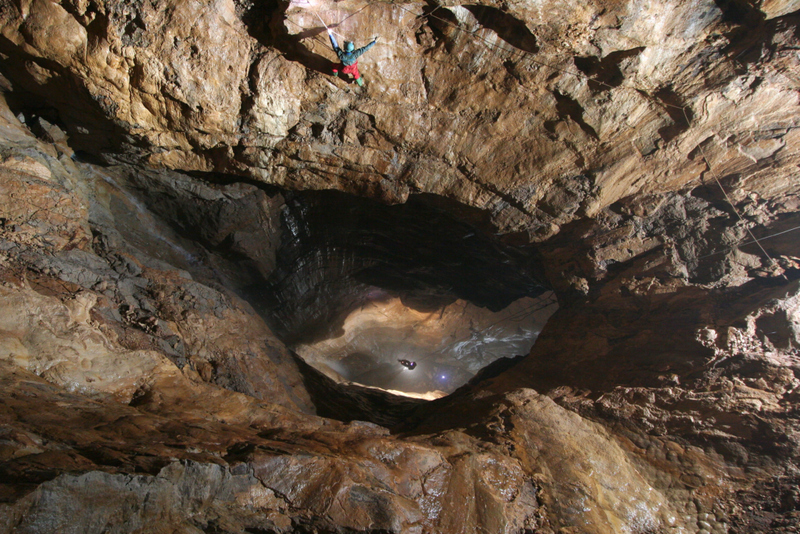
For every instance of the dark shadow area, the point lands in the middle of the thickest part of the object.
(711, 193)
(511, 30)
(772, 506)
(349, 402)
(338, 249)
(740, 12)
(355, 403)
(776, 327)
(681, 118)
(81, 156)
(751, 36)
(443, 23)
(605, 73)
(63, 101)
(460, 409)
(221, 178)
(571, 108)
(266, 23)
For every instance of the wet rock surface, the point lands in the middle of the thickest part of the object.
(430, 353)
(642, 148)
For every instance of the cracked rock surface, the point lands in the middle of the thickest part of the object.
(646, 155)
(537, 114)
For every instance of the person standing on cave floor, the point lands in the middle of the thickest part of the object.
(348, 57)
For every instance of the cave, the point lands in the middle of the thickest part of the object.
(359, 287)
(538, 273)
(350, 285)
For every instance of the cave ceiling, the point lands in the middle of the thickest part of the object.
(641, 160)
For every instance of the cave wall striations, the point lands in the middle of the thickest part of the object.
(243, 88)
(641, 146)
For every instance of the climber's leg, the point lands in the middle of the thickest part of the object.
(352, 70)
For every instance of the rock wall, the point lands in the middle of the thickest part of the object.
(644, 147)
(537, 114)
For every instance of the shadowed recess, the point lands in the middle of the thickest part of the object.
(361, 287)
(511, 30)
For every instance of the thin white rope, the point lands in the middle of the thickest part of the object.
(494, 48)
(772, 262)
(320, 19)
(739, 245)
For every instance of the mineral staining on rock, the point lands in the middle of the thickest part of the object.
(642, 148)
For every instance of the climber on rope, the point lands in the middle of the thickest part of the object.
(348, 57)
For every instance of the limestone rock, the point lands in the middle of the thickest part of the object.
(606, 92)
(149, 154)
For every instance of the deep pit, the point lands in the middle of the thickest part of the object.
(361, 287)
(353, 286)
(387, 344)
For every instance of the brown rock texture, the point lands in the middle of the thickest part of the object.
(591, 105)
(649, 151)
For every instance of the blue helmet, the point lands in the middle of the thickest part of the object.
(348, 46)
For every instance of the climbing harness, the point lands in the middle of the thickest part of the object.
(349, 47)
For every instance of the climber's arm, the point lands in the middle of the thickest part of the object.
(363, 49)
(334, 44)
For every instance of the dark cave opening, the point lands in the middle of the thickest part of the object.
(413, 298)
(353, 286)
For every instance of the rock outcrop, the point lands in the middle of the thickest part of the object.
(649, 153)
(536, 114)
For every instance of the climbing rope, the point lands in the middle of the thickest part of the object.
(772, 262)
(492, 46)
(320, 19)
(764, 238)
(338, 23)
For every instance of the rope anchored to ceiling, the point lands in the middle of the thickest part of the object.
(499, 50)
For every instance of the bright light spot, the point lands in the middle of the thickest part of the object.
(443, 377)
